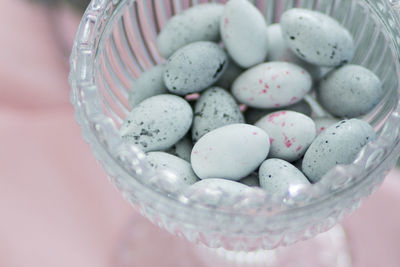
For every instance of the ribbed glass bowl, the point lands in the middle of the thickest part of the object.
(116, 43)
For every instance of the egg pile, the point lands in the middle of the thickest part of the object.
(250, 124)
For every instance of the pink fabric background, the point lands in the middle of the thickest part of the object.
(57, 206)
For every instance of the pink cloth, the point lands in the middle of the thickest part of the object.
(57, 206)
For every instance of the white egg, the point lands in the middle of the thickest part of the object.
(244, 32)
(350, 91)
(194, 67)
(317, 38)
(157, 123)
(180, 167)
(272, 85)
(215, 108)
(230, 152)
(149, 83)
(279, 177)
(198, 23)
(339, 144)
(290, 133)
(280, 51)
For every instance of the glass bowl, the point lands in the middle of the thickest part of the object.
(115, 43)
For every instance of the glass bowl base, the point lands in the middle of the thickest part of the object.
(329, 249)
(144, 244)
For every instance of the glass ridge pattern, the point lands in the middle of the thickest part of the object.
(115, 43)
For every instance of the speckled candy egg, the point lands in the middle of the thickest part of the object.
(324, 123)
(230, 152)
(215, 108)
(194, 67)
(280, 177)
(243, 30)
(339, 144)
(252, 115)
(149, 83)
(280, 51)
(350, 91)
(198, 23)
(157, 123)
(182, 149)
(272, 85)
(180, 167)
(290, 133)
(317, 38)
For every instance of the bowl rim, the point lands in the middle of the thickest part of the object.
(83, 94)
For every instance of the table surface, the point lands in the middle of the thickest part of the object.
(58, 208)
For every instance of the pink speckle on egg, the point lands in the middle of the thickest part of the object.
(288, 142)
(226, 22)
(293, 99)
(196, 152)
(266, 85)
(274, 77)
(255, 133)
(277, 105)
(264, 91)
(260, 81)
(298, 148)
(271, 140)
(251, 99)
(303, 72)
(278, 86)
(283, 124)
(273, 116)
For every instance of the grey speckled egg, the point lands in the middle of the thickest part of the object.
(252, 115)
(198, 23)
(339, 144)
(230, 152)
(215, 108)
(157, 123)
(317, 38)
(243, 30)
(290, 133)
(280, 177)
(180, 167)
(194, 67)
(149, 83)
(272, 85)
(280, 51)
(229, 76)
(350, 91)
(252, 180)
(182, 149)
(324, 123)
